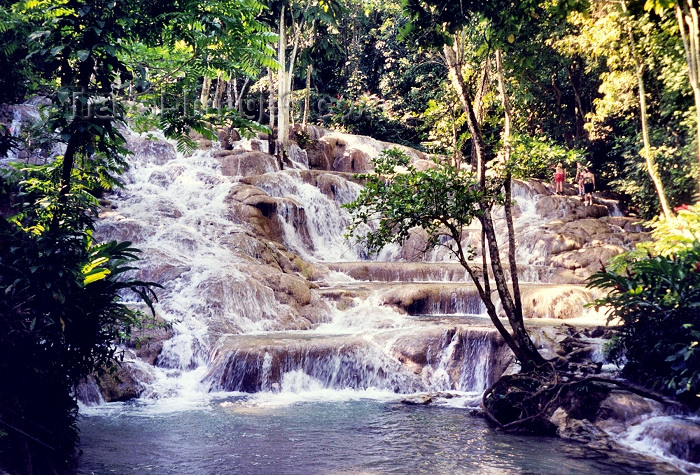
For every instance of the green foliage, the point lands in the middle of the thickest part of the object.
(446, 123)
(536, 157)
(600, 41)
(627, 173)
(657, 303)
(367, 116)
(669, 236)
(62, 307)
(398, 198)
(17, 78)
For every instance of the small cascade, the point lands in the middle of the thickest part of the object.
(298, 157)
(335, 362)
(324, 220)
(398, 360)
(673, 439)
(16, 124)
(466, 349)
(448, 301)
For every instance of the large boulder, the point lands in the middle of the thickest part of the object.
(256, 209)
(584, 262)
(289, 289)
(127, 382)
(556, 301)
(320, 155)
(235, 163)
(622, 409)
(155, 152)
(353, 161)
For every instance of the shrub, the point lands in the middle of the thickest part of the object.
(536, 157)
(61, 312)
(657, 303)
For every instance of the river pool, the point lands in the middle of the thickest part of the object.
(271, 435)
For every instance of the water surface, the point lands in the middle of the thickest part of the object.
(246, 436)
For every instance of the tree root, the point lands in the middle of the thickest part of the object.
(525, 402)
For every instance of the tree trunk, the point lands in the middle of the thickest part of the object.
(204, 95)
(282, 113)
(520, 343)
(307, 96)
(652, 168)
(454, 58)
(508, 183)
(580, 116)
(219, 93)
(271, 108)
(688, 24)
(231, 92)
(241, 94)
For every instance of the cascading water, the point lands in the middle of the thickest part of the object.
(257, 284)
(238, 322)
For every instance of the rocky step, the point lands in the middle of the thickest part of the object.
(551, 301)
(402, 360)
(431, 271)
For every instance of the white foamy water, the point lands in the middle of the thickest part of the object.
(365, 315)
(647, 438)
(324, 219)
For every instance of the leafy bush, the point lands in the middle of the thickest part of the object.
(670, 235)
(657, 303)
(536, 157)
(61, 312)
(367, 116)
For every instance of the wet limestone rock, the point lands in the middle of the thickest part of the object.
(246, 163)
(289, 289)
(255, 208)
(587, 261)
(227, 137)
(155, 152)
(622, 409)
(556, 301)
(580, 430)
(353, 161)
(147, 342)
(128, 382)
(320, 155)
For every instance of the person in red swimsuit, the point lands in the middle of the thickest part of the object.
(559, 177)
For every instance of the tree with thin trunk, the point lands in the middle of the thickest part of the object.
(444, 201)
(687, 17)
(647, 151)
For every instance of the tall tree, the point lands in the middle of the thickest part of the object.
(687, 16)
(297, 22)
(639, 67)
(446, 26)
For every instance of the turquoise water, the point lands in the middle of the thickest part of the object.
(364, 436)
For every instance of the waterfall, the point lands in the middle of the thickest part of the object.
(324, 221)
(243, 316)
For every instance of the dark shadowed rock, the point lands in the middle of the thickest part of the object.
(128, 382)
(622, 409)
